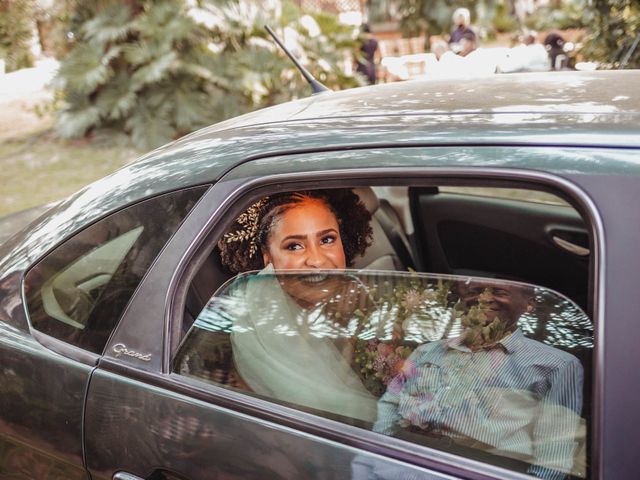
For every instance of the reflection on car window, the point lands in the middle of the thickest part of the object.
(492, 370)
(79, 290)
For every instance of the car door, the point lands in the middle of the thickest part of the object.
(41, 398)
(146, 419)
(55, 319)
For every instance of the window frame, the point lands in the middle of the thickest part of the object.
(248, 189)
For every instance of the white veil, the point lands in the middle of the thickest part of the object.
(279, 354)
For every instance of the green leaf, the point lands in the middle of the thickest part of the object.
(86, 68)
(190, 109)
(110, 25)
(137, 53)
(154, 71)
(150, 127)
(75, 123)
(116, 100)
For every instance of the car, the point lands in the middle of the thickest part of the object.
(117, 354)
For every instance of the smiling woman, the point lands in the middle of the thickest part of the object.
(306, 229)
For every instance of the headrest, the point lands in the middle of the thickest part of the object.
(368, 197)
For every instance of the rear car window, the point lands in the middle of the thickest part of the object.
(484, 368)
(79, 290)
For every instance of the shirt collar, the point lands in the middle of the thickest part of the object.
(510, 343)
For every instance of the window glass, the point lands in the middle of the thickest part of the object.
(535, 196)
(494, 370)
(78, 292)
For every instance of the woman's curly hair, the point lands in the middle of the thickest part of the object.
(242, 246)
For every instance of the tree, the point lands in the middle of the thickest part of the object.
(156, 70)
(613, 28)
(137, 67)
(16, 33)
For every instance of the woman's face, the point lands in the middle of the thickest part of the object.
(305, 236)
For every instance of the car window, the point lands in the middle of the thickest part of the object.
(79, 290)
(493, 370)
(396, 334)
(534, 196)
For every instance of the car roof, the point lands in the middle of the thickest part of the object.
(562, 108)
(544, 93)
(585, 109)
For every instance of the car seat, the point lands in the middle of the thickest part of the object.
(389, 248)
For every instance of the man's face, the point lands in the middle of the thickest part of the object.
(505, 301)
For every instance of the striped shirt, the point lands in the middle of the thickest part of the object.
(522, 399)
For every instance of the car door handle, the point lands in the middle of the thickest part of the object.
(570, 246)
(126, 476)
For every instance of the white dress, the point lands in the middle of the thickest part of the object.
(283, 351)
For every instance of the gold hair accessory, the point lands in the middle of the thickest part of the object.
(248, 221)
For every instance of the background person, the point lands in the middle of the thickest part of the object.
(367, 64)
(463, 39)
(554, 43)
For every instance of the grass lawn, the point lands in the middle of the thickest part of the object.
(37, 168)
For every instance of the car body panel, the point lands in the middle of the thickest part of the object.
(573, 133)
(136, 330)
(197, 439)
(564, 110)
(13, 223)
(41, 404)
(537, 93)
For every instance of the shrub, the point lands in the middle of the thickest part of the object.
(156, 70)
(16, 33)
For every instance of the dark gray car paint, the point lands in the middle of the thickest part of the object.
(199, 440)
(41, 401)
(140, 328)
(212, 152)
(11, 224)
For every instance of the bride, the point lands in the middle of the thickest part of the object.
(290, 333)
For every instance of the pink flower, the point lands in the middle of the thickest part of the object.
(379, 363)
(407, 368)
(384, 349)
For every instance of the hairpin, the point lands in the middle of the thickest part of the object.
(249, 222)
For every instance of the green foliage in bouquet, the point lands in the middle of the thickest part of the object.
(16, 33)
(477, 333)
(157, 70)
(384, 343)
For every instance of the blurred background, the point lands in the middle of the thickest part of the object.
(88, 85)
